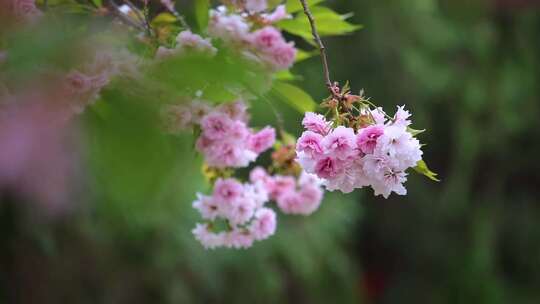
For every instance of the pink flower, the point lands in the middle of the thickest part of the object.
(367, 138)
(227, 154)
(176, 118)
(282, 184)
(207, 238)
(278, 14)
(391, 181)
(351, 177)
(199, 109)
(401, 118)
(266, 38)
(264, 224)
(311, 199)
(239, 239)
(288, 202)
(316, 123)
(255, 5)
(257, 192)
(187, 41)
(216, 126)
(81, 90)
(281, 57)
(163, 52)
(237, 110)
(379, 116)
(258, 174)
(207, 207)
(262, 140)
(340, 143)
(229, 28)
(328, 167)
(310, 143)
(240, 212)
(227, 190)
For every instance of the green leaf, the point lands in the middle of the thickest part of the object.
(422, 168)
(294, 6)
(201, 13)
(302, 55)
(163, 18)
(97, 3)
(415, 132)
(294, 96)
(285, 75)
(329, 23)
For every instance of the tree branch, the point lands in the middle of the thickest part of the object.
(322, 49)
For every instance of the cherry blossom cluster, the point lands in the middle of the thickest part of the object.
(225, 141)
(188, 43)
(252, 35)
(299, 196)
(82, 86)
(241, 208)
(377, 154)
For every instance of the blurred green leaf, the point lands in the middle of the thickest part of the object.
(201, 13)
(422, 168)
(294, 6)
(163, 18)
(302, 55)
(329, 23)
(294, 96)
(285, 75)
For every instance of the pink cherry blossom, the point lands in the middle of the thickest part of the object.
(401, 118)
(229, 28)
(340, 143)
(237, 110)
(280, 13)
(264, 224)
(227, 190)
(367, 138)
(188, 42)
(199, 109)
(239, 238)
(207, 238)
(207, 207)
(262, 140)
(328, 167)
(281, 184)
(281, 57)
(255, 5)
(266, 38)
(310, 143)
(316, 123)
(216, 125)
(176, 118)
(241, 211)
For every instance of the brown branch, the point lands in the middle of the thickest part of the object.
(322, 49)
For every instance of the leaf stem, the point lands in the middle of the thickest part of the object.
(322, 49)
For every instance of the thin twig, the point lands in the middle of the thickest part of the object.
(142, 19)
(124, 18)
(322, 49)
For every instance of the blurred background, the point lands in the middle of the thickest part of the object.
(469, 72)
